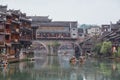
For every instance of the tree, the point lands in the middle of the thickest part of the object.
(106, 48)
(118, 53)
(97, 48)
(55, 45)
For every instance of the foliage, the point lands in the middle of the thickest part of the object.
(103, 48)
(56, 44)
(115, 54)
(106, 47)
(97, 48)
(118, 53)
(105, 69)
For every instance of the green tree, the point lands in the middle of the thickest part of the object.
(55, 45)
(118, 53)
(106, 48)
(97, 48)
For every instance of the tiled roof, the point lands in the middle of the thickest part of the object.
(45, 21)
(2, 13)
(64, 24)
(39, 18)
(14, 12)
(3, 8)
(115, 26)
(24, 19)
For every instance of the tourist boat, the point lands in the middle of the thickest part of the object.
(3, 63)
(82, 59)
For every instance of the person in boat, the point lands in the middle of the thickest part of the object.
(73, 60)
(4, 62)
(82, 59)
(77, 51)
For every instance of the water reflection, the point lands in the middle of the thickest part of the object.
(50, 68)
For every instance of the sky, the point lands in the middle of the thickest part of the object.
(84, 11)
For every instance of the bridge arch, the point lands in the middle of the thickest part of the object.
(38, 45)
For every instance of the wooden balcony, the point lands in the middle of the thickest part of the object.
(7, 41)
(2, 43)
(2, 30)
(8, 31)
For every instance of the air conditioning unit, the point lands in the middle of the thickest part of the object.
(16, 19)
(16, 40)
(17, 30)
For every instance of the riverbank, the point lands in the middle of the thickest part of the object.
(14, 60)
(103, 57)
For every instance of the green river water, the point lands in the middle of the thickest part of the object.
(52, 68)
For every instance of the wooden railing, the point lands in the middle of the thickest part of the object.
(2, 30)
(8, 31)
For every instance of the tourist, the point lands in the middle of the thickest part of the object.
(73, 60)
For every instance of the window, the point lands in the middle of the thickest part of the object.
(80, 34)
(1, 26)
(73, 29)
(7, 26)
(7, 37)
(74, 34)
(1, 38)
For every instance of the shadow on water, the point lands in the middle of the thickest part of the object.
(51, 68)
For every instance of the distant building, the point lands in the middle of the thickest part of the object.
(45, 28)
(92, 31)
(105, 28)
(112, 33)
(3, 8)
(116, 26)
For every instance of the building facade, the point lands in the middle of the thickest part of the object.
(11, 24)
(95, 30)
(45, 28)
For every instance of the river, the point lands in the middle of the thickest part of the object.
(51, 68)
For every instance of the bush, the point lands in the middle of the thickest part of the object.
(97, 48)
(118, 53)
(106, 48)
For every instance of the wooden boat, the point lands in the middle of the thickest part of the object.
(73, 60)
(3, 63)
(82, 59)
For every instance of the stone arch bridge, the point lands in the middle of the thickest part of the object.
(47, 45)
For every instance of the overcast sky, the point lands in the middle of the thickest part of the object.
(83, 11)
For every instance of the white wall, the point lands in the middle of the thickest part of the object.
(74, 32)
(94, 31)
